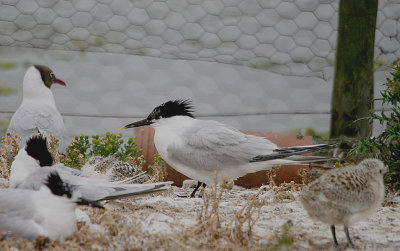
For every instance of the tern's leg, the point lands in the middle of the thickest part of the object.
(334, 235)
(346, 230)
(201, 192)
(195, 189)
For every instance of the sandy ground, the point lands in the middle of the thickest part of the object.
(218, 221)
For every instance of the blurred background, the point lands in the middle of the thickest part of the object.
(260, 65)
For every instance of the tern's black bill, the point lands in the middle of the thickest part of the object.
(139, 123)
(82, 201)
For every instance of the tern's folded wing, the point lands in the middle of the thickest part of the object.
(210, 143)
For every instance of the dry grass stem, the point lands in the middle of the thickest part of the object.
(8, 151)
(285, 190)
(53, 149)
(271, 174)
(306, 175)
(243, 236)
(159, 171)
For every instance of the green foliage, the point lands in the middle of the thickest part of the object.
(158, 162)
(3, 126)
(7, 65)
(106, 146)
(6, 90)
(81, 149)
(284, 241)
(76, 152)
(386, 146)
(129, 149)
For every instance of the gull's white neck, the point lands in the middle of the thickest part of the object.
(34, 89)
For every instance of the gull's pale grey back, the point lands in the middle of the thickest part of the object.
(34, 118)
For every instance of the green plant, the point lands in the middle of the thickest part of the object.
(107, 145)
(7, 90)
(7, 65)
(386, 146)
(129, 149)
(82, 148)
(76, 152)
(158, 170)
(284, 240)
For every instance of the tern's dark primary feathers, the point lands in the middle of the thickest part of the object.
(285, 152)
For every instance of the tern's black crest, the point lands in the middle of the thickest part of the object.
(36, 147)
(57, 186)
(181, 107)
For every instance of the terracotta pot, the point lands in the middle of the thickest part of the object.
(144, 139)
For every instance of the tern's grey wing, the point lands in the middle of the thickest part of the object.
(208, 144)
(18, 213)
(99, 192)
(36, 179)
(33, 118)
(96, 189)
(91, 188)
(68, 170)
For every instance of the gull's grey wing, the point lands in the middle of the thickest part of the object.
(210, 143)
(18, 213)
(34, 118)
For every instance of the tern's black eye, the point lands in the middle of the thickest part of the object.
(155, 114)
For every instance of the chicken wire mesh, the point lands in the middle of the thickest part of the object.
(291, 37)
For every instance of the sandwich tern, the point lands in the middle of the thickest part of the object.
(34, 163)
(38, 111)
(196, 148)
(49, 211)
(343, 196)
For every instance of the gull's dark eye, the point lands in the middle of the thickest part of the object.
(52, 75)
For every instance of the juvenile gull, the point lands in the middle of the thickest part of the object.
(345, 195)
(196, 148)
(38, 111)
